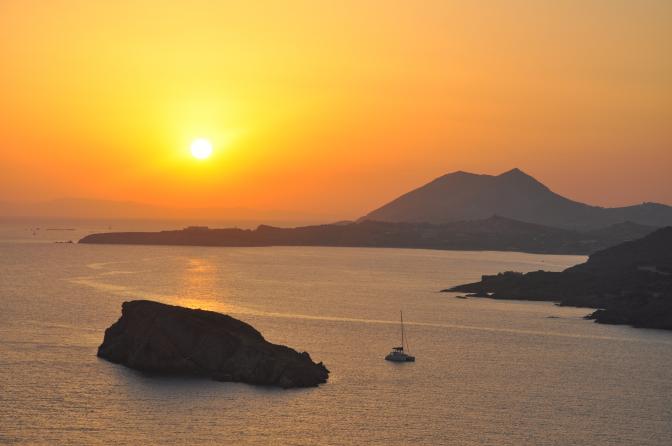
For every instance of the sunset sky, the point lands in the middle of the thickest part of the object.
(332, 107)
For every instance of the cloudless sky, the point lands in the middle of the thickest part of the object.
(333, 106)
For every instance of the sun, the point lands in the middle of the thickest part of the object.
(201, 148)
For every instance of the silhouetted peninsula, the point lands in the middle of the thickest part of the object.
(166, 339)
(495, 234)
(514, 194)
(630, 283)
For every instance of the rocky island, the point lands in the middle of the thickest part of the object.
(165, 339)
(630, 283)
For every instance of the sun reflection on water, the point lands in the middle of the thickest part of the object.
(199, 287)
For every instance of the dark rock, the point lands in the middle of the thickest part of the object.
(165, 339)
(630, 283)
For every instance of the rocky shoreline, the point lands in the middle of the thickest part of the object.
(630, 283)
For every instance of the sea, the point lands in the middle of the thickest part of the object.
(487, 372)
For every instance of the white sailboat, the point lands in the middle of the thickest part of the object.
(398, 354)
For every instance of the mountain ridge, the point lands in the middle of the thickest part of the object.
(513, 194)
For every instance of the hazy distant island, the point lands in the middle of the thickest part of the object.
(87, 209)
(166, 339)
(630, 283)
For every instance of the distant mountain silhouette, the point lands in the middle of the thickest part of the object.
(514, 194)
(86, 208)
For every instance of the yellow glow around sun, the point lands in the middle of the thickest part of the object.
(201, 148)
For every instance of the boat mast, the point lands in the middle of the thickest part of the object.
(401, 317)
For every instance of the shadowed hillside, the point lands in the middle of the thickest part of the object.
(513, 194)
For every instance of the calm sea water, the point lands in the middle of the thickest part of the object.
(487, 372)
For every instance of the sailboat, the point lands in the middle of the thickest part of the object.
(398, 354)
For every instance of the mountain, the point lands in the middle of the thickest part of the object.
(513, 194)
(494, 233)
(630, 283)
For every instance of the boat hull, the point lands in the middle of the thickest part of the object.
(400, 358)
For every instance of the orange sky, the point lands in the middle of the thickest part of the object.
(332, 107)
